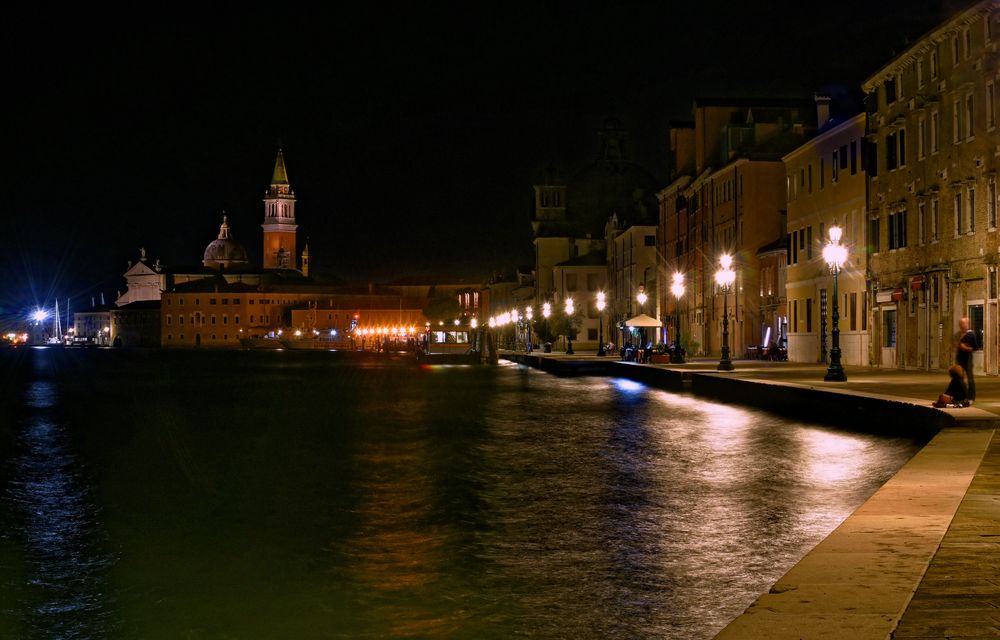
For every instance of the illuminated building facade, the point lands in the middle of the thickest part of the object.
(825, 185)
(932, 194)
(733, 202)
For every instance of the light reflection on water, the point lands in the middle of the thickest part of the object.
(64, 591)
(307, 498)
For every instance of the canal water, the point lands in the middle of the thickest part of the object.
(307, 495)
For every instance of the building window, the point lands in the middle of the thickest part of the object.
(921, 134)
(591, 334)
(570, 282)
(213, 319)
(810, 181)
(991, 203)
(864, 313)
(795, 316)
(954, 50)
(959, 211)
(809, 242)
(211, 301)
(854, 311)
(251, 318)
(890, 152)
(970, 203)
(921, 222)
(225, 319)
(991, 105)
(935, 131)
(180, 319)
(822, 168)
(854, 157)
(890, 90)
(897, 230)
(592, 282)
(649, 241)
(987, 28)
(934, 63)
(873, 233)
(966, 42)
(920, 74)
(889, 328)
(956, 121)
(833, 166)
(969, 111)
(809, 315)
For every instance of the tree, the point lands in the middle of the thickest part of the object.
(442, 308)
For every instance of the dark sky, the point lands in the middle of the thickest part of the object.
(412, 136)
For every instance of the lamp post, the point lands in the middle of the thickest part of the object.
(677, 288)
(641, 299)
(835, 255)
(546, 312)
(600, 323)
(725, 277)
(528, 314)
(569, 326)
(514, 319)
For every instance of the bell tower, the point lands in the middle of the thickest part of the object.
(279, 219)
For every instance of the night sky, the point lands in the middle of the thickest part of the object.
(412, 137)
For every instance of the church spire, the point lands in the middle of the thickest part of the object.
(279, 219)
(280, 175)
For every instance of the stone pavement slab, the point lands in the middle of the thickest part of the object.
(860, 579)
(959, 595)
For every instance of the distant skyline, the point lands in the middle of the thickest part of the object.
(412, 138)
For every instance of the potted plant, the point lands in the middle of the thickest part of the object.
(660, 355)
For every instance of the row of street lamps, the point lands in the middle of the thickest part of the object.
(834, 253)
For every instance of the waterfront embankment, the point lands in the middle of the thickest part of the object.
(921, 558)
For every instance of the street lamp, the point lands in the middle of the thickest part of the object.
(835, 255)
(725, 277)
(514, 319)
(546, 312)
(677, 288)
(600, 323)
(569, 326)
(641, 298)
(528, 314)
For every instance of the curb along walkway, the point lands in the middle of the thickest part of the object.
(921, 558)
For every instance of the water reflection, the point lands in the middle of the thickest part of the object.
(312, 498)
(65, 592)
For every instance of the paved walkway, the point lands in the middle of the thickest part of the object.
(921, 558)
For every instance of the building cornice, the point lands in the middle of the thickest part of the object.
(923, 45)
(826, 135)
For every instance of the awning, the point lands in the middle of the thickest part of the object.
(642, 320)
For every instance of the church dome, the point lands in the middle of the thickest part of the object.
(612, 187)
(224, 251)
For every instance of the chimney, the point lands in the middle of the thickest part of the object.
(822, 111)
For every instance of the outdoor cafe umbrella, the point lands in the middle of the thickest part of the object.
(642, 321)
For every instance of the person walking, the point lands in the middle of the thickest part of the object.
(967, 343)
